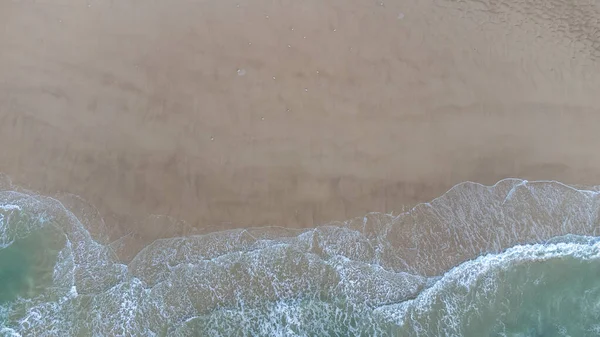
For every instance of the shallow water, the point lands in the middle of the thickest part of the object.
(515, 259)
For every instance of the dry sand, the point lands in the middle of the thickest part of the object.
(293, 113)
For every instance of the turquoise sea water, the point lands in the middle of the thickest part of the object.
(514, 259)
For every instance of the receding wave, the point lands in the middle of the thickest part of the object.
(514, 259)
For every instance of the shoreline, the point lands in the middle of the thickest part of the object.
(158, 228)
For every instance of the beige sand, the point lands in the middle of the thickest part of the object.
(293, 113)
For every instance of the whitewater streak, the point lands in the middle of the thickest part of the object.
(444, 268)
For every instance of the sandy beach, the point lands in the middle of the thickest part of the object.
(228, 114)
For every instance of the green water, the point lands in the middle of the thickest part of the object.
(26, 265)
(552, 298)
(15, 271)
(537, 294)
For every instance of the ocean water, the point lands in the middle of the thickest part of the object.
(514, 259)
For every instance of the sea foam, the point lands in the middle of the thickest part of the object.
(378, 275)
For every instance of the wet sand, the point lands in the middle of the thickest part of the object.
(229, 114)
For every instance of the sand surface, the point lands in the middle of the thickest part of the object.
(229, 114)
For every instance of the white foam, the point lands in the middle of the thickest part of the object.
(267, 276)
(470, 274)
(10, 207)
